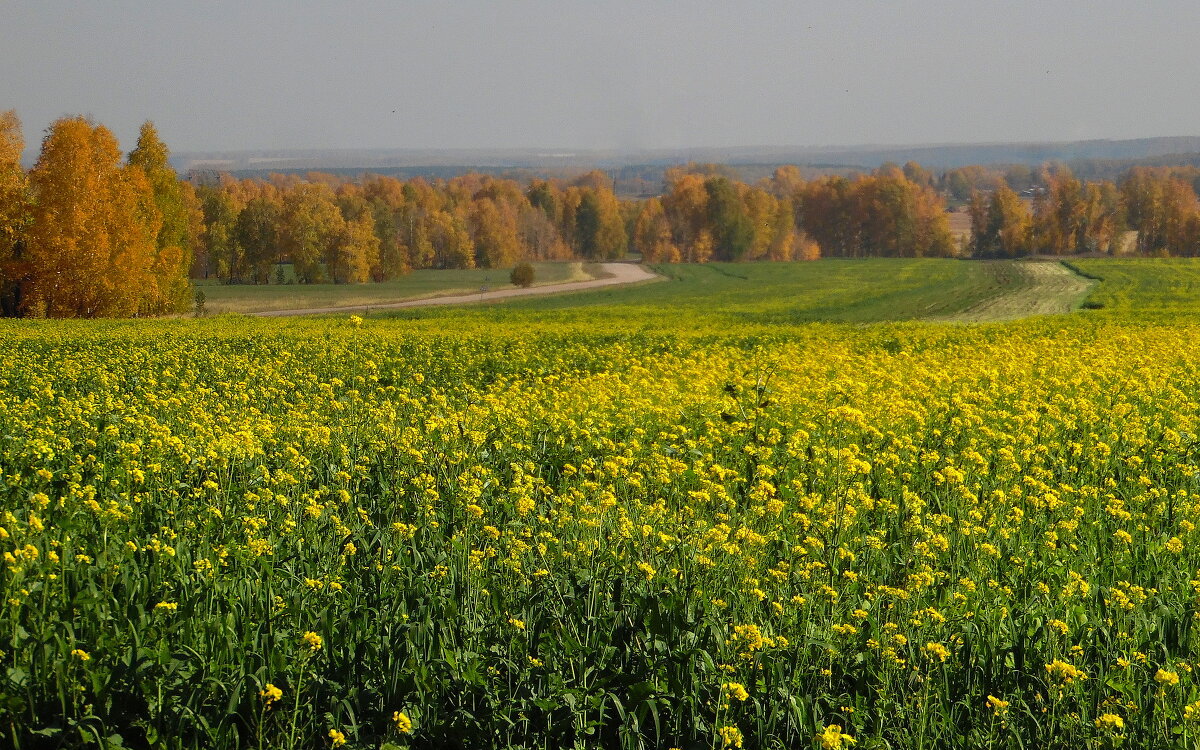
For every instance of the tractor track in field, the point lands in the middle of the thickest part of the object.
(616, 274)
(1026, 289)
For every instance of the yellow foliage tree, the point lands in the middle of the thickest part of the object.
(355, 253)
(92, 238)
(494, 228)
(176, 205)
(14, 213)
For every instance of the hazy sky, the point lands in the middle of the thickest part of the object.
(603, 74)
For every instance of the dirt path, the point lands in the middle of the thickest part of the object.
(1028, 288)
(617, 274)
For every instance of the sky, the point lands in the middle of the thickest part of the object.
(609, 74)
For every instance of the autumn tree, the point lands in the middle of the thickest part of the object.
(760, 209)
(958, 183)
(175, 205)
(785, 182)
(255, 245)
(1000, 224)
(14, 214)
(539, 235)
(652, 234)
(449, 241)
(219, 255)
(1104, 217)
(731, 228)
(824, 212)
(917, 174)
(543, 196)
(493, 226)
(1071, 216)
(785, 240)
(355, 251)
(599, 228)
(595, 181)
(685, 206)
(1159, 206)
(310, 226)
(92, 239)
(393, 252)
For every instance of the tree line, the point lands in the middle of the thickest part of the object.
(87, 233)
(379, 228)
(706, 215)
(1148, 211)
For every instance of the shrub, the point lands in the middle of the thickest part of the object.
(522, 275)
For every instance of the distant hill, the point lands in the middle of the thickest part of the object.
(640, 172)
(939, 156)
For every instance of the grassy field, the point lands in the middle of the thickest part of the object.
(1161, 287)
(856, 291)
(245, 298)
(677, 515)
(1028, 288)
(847, 291)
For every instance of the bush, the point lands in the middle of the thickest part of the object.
(522, 275)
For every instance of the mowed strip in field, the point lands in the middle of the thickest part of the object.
(614, 274)
(1025, 289)
(421, 284)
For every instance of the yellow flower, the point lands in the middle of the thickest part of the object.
(735, 690)
(336, 738)
(167, 606)
(357, 322)
(518, 624)
(937, 651)
(314, 641)
(1065, 672)
(1174, 545)
(1111, 722)
(404, 724)
(270, 694)
(1163, 677)
(833, 739)
(81, 654)
(996, 704)
(1191, 712)
(731, 737)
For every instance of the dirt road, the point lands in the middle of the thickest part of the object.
(1030, 288)
(618, 273)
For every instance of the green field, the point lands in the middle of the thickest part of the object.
(246, 298)
(1159, 287)
(738, 294)
(779, 293)
(757, 506)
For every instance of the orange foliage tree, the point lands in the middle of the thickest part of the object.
(92, 239)
(14, 214)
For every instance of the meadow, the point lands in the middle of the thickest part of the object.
(738, 509)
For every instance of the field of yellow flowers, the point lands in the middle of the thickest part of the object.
(337, 533)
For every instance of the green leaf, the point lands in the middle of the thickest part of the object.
(17, 676)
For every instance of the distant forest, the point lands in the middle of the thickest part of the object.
(85, 234)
